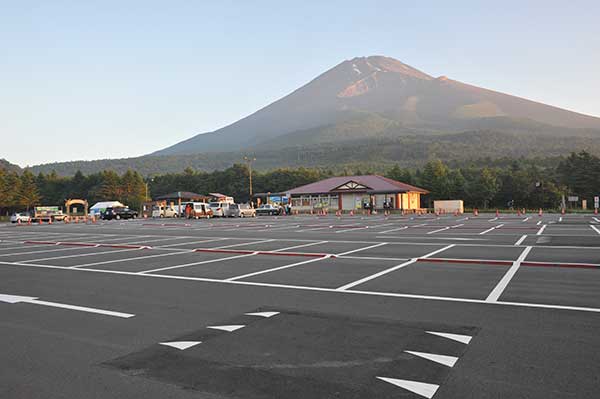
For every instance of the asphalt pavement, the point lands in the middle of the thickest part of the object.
(302, 306)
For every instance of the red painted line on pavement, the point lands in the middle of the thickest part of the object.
(76, 244)
(125, 246)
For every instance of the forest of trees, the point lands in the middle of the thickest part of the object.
(518, 183)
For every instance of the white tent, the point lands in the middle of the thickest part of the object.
(101, 206)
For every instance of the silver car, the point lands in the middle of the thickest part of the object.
(240, 210)
(218, 208)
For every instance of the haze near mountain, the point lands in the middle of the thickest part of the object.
(377, 96)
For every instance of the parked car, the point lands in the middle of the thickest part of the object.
(164, 211)
(196, 210)
(240, 210)
(119, 213)
(20, 217)
(218, 208)
(268, 209)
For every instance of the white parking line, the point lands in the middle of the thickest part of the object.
(595, 229)
(520, 240)
(126, 259)
(277, 268)
(244, 243)
(190, 242)
(295, 226)
(82, 255)
(301, 246)
(391, 269)
(487, 231)
(319, 289)
(22, 246)
(541, 230)
(391, 230)
(438, 230)
(503, 283)
(197, 263)
(352, 229)
(361, 249)
(43, 252)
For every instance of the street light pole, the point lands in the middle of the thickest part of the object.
(249, 163)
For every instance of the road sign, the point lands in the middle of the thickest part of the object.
(596, 202)
(573, 198)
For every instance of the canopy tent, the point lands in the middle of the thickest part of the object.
(99, 207)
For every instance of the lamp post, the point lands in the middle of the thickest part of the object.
(249, 163)
(146, 184)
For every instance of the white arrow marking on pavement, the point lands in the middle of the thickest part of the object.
(263, 314)
(420, 388)
(181, 345)
(449, 361)
(465, 339)
(35, 301)
(227, 328)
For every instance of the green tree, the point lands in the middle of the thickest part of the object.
(484, 188)
(28, 193)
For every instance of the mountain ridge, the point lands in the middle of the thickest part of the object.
(380, 85)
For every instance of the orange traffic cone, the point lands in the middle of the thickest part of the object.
(475, 212)
(562, 211)
(540, 213)
(41, 221)
(497, 213)
(50, 221)
(19, 221)
(29, 222)
(595, 211)
(352, 213)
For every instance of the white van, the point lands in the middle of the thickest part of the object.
(162, 211)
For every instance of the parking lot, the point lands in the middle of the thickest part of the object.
(303, 306)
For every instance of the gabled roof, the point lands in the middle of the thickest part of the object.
(369, 183)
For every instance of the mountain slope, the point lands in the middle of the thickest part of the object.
(373, 153)
(9, 167)
(383, 88)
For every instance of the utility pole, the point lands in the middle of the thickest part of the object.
(249, 163)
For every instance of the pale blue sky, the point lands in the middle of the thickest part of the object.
(107, 79)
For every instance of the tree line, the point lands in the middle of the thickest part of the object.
(518, 183)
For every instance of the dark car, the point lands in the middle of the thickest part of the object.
(268, 209)
(118, 213)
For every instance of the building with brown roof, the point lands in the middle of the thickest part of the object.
(356, 192)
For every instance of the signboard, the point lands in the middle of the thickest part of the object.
(596, 202)
(278, 199)
(573, 198)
